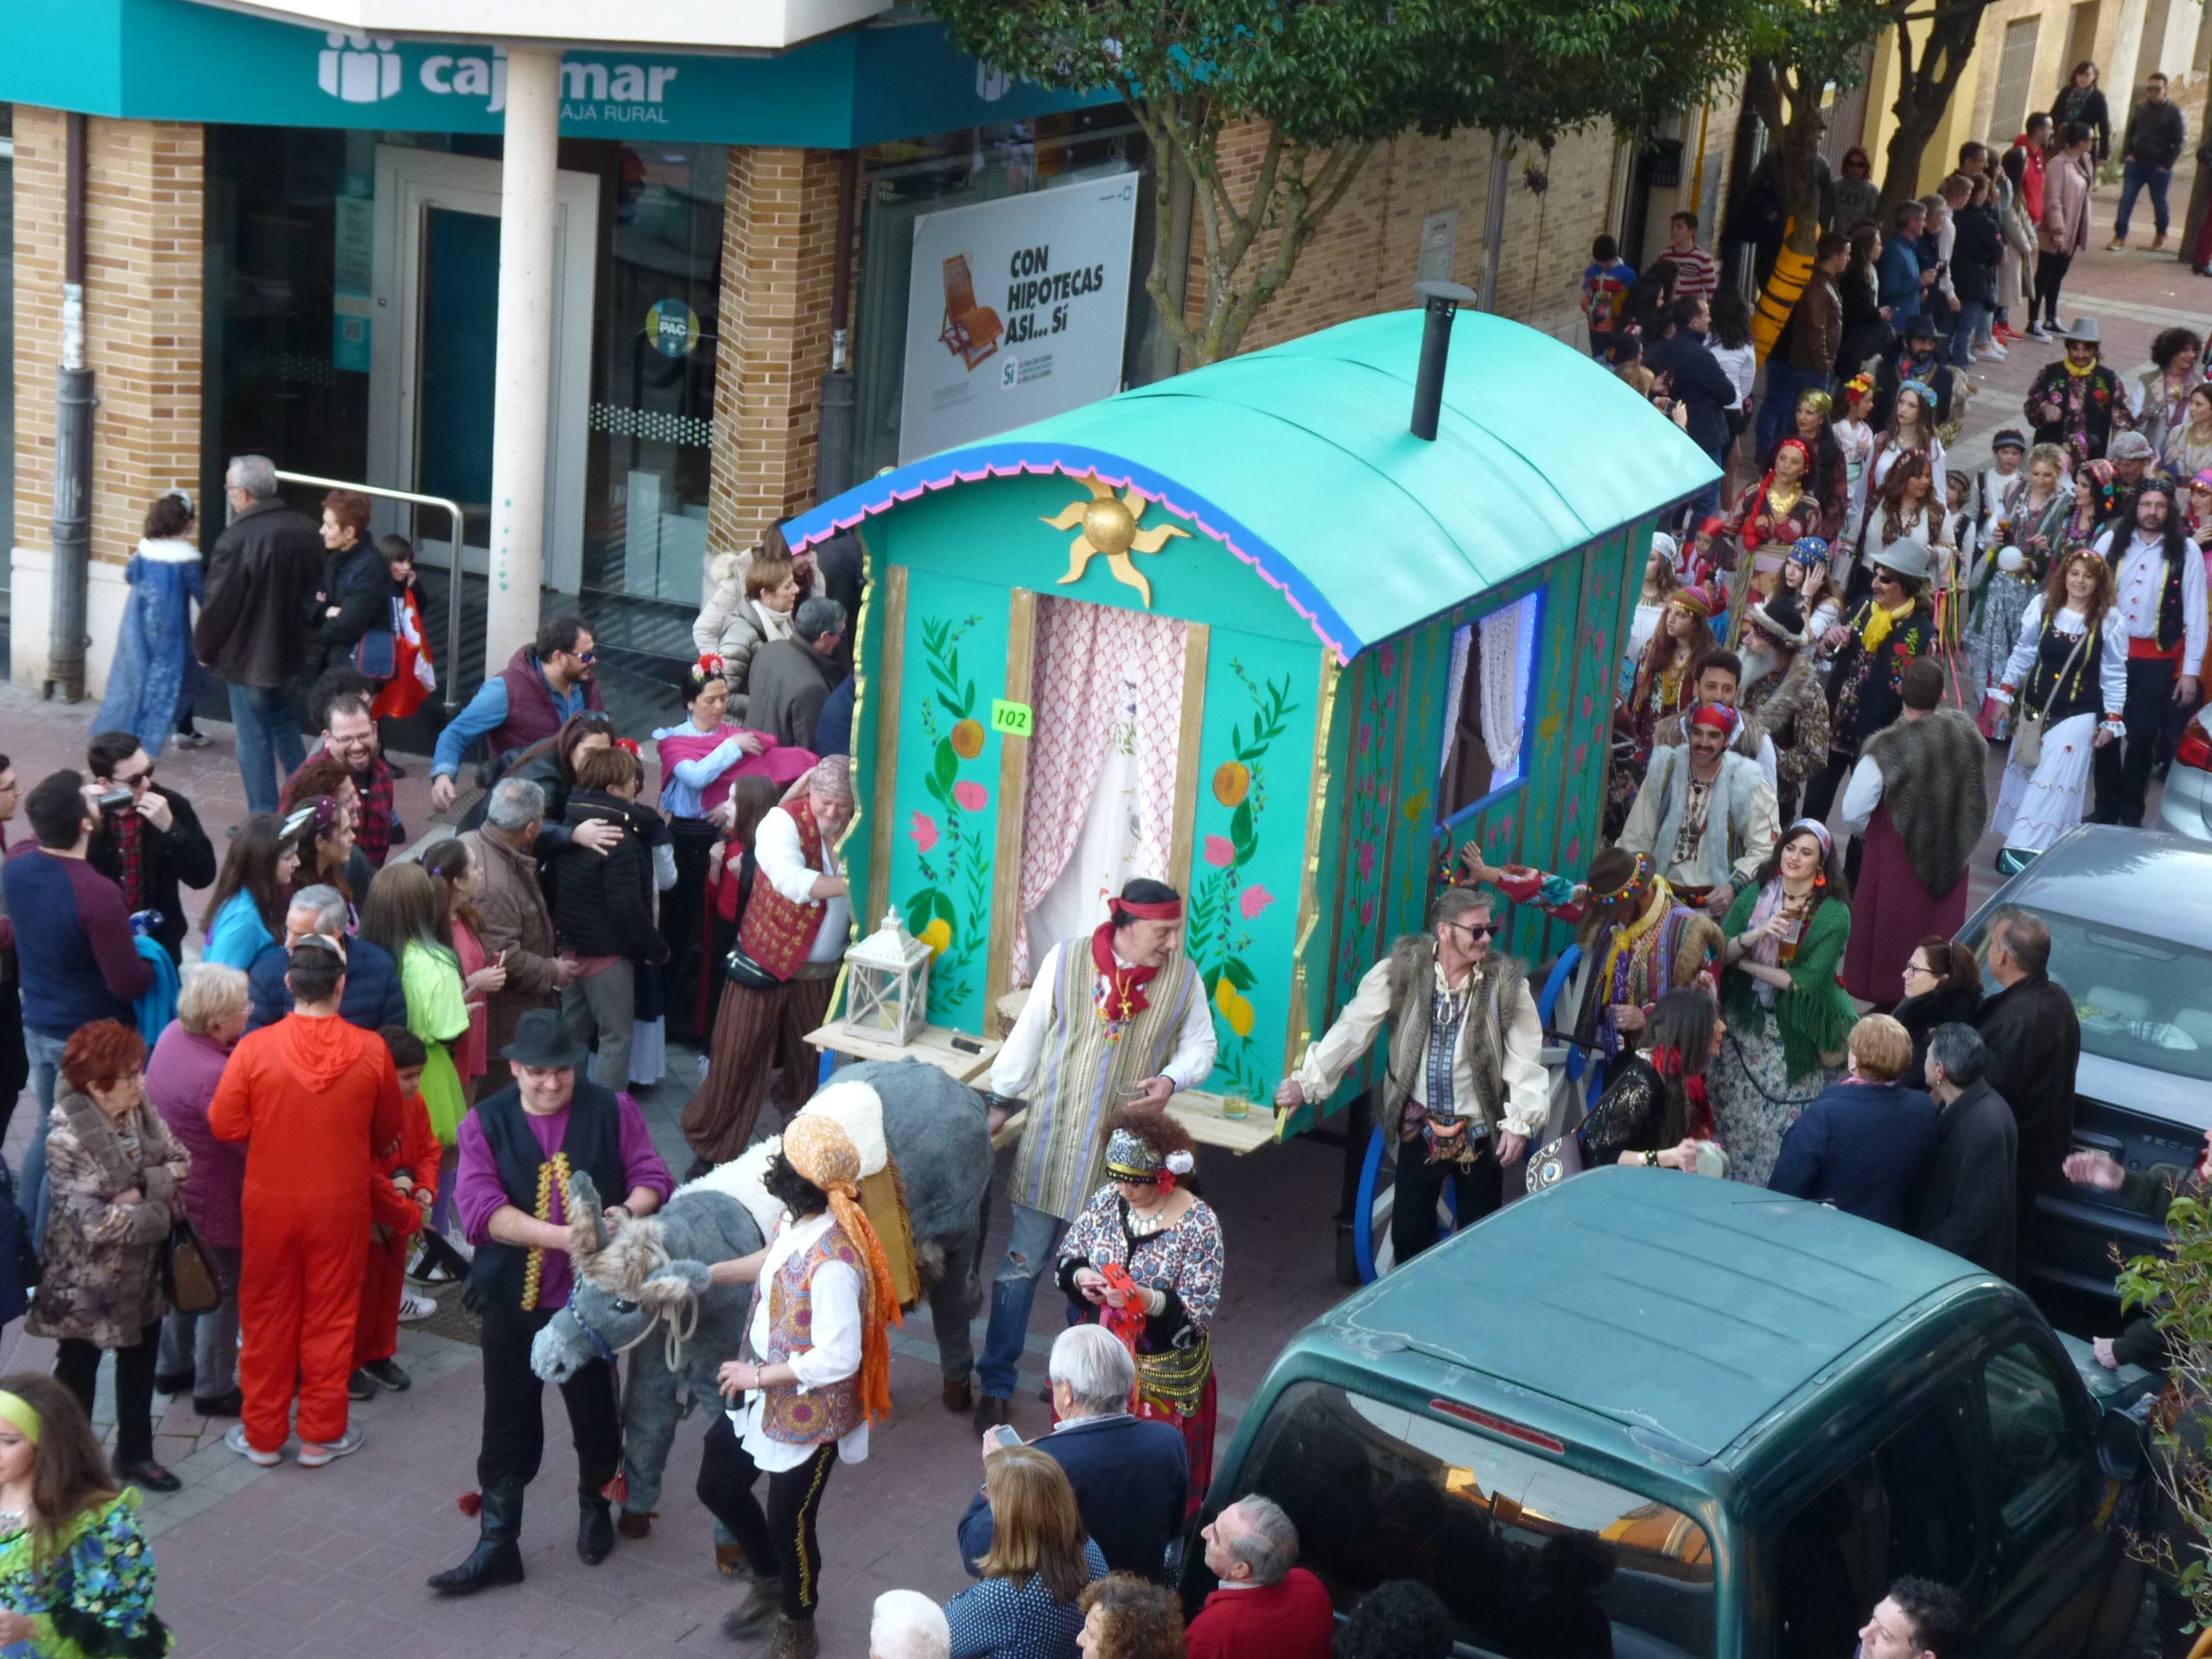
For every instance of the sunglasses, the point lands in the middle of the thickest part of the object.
(1478, 929)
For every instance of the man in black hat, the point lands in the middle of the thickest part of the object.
(517, 1150)
(2080, 403)
(1917, 357)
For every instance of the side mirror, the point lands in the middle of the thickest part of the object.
(2120, 1448)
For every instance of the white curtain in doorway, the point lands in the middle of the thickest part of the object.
(1107, 696)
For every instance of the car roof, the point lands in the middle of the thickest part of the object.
(1663, 1301)
(2148, 880)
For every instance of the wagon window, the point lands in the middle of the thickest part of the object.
(1535, 1560)
(1485, 706)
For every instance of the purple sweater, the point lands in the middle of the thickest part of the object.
(180, 1079)
(73, 943)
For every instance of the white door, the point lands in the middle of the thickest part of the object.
(434, 348)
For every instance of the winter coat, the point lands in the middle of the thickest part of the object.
(1966, 1201)
(1854, 204)
(2157, 135)
(1977, 249)
(1899, 268)
(2065, 227)
(102, 1281)
(1696, 381)
(1921, 1014)
(263, 564)
(372, 998)
(180, 1079)
(2089, 108)
(2034, 1038)
(357, 581)
(605, 902)
(1816, 326)
(516, 921)
(790, 681)
(179, 856)
(730, 625)
(1867, 332)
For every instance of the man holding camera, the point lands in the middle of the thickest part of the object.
(149, 841)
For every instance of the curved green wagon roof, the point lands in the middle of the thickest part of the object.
(1299, 461)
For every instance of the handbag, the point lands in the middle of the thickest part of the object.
(2028, 727)
(189, 1275)
(377, 655)
(738, 967)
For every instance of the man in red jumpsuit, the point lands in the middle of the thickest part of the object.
(403, 1185)
(312, 1096)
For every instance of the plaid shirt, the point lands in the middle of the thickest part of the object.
(126, 832)
(379, 826)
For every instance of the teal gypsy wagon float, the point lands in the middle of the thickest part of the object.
(1245, 632)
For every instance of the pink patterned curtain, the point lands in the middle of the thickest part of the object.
(1103, 678)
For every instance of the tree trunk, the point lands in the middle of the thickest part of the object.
(1924, 90)
(1793, 114)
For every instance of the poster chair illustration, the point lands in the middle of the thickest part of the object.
(971, 331)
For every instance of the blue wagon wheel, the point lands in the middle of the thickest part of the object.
(1372, 1211)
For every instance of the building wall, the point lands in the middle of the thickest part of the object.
(143, 309)
(779, 246)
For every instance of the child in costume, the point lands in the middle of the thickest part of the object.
(403, 1185)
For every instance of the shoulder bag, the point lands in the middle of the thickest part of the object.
(737, 966)
(187, 1273)
(2028, 725)
(377, 655)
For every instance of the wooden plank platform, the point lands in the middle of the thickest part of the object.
(1199, 1113)
(933, 1047)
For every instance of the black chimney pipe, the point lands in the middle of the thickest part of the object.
(1442, 298)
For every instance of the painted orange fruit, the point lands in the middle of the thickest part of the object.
(968, 740)
(1231, 783)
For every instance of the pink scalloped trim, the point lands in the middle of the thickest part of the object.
(961, 475)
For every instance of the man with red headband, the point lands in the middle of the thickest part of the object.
(1114, 1020)
(1706, 814)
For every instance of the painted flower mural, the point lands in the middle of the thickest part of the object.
(950, 912)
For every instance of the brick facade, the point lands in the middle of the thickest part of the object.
(779, 237)
(143, 317)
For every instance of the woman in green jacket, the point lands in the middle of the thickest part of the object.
(1788, 1018)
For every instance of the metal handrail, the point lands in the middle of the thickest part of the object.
(453, 587)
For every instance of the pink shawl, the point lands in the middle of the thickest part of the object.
(779, 764)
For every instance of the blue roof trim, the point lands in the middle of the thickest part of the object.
(979, 461)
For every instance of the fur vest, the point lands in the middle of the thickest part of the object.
(1933, 785)
(1497, 986)
(1792, 709)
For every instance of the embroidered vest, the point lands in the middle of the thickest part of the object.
(817, 1415)
(777, 933)
(2172, 625)
(1082, 1072)
(592, 1143)
(1489, 1005)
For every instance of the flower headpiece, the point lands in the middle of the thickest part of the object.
(1859, 386)
(630, 745)
(1926, 396)
(710, 667)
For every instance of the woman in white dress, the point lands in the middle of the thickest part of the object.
(2069, 667)
(1912, 426)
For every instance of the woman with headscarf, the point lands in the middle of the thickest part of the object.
(1145, 1260)
(1769, 520)
(1787, 1017)
(818, 1374)
(1829, 476)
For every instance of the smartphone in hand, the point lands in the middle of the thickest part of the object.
(1004, 1435)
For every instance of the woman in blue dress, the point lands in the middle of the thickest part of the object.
(150, 687)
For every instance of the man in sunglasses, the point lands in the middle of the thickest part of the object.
(149, 842)
(542, 685)
(1465, 1087)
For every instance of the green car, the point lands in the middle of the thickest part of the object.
(1650, 1413)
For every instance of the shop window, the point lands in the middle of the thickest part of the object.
(903, 181)
(1535, 1560)
(1909, 1508)
(1485, 728)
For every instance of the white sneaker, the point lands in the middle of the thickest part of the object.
(413, 1307)
(1991, 352)
(237, 1441)
(313, 1455)
(2037, 331)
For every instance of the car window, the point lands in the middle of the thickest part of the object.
(1535, 1559)
(1908, 1507)
(2144, 1000)
(2033, 1456)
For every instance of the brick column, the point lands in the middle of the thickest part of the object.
(779, 237)
(144, 227)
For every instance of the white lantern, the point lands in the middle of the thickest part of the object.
(888, 983)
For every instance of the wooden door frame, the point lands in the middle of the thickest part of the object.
(1013, 781)
(888, 684)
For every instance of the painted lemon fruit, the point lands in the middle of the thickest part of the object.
(1233, 1006)
(1231, 783)
(968, 740)
(936, 935)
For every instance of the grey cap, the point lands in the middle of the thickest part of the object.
(1906, 556)
(2084, 329)
(2131, 446)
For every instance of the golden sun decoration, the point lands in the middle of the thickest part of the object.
(1110, 527)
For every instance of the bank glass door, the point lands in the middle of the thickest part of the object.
(435, 346)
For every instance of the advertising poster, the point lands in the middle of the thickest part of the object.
(1017, 311)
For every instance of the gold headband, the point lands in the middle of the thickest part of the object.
(13, 1408)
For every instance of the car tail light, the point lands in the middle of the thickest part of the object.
(1520, 1432)
(2195, 749)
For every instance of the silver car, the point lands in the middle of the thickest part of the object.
(2186, 806)
(2130, 915)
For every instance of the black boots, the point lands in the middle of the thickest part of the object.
(594, 1530)
(497, 1559)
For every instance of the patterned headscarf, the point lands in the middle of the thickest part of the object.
(817, 1148)
(1819, 400)
(1130, 1157)
(1809, 550)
